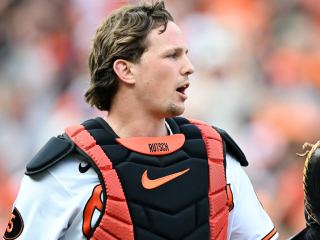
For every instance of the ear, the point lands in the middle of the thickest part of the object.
(123, 70)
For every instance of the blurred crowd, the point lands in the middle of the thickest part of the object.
(257, 75)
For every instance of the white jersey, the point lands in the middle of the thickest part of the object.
(51, 203)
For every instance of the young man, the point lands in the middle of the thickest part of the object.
(141, 173)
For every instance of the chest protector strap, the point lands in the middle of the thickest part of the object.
(218, 218)
(116, 222)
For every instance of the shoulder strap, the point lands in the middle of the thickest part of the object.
(219, 212)
(232, 147)
(229, 144)
(51, 153)
(115, 221)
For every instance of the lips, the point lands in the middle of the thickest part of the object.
(181, 90)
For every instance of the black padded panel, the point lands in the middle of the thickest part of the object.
(202, 213)
(173, 227)
(102, 137)
(138, 215)
(201, 233)
(173, 158)
(181, 121)
(195, 148)
(143, 159)
(142, 234)
(51, 153)
(171, 197)
(173, 126)
(91, 124)
(116, 153)
(190, 131)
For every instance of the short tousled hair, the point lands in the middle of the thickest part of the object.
(121, 35)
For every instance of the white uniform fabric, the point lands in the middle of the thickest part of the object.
(247, 220)
(52, 203)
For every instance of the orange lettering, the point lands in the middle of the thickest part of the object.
(9, 229)
(93, 202)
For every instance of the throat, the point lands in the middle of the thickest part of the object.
(138, 127)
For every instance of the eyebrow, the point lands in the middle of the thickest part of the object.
(178, 49)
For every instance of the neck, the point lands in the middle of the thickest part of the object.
(133, 124)
(129, 117)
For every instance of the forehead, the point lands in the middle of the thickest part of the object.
(171, 38)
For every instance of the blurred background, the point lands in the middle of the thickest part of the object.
(257, 76)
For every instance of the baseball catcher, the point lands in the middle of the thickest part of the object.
(142, 172)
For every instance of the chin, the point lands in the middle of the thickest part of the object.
(174, 110)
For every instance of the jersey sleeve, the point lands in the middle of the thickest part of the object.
(247, 218)
(44, 206)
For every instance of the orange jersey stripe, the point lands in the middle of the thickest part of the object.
(270, 234)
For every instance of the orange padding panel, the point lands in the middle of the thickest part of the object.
(116, 222)
(218, 218)
(154, 145)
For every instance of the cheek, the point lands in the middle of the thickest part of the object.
(164, 74)
(157, 77)
(163, 81)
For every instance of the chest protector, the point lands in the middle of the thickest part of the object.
(190, 206)
(154, 188)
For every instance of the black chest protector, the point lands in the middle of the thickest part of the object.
(177, 209)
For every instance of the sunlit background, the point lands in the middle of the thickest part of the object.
(257, 76)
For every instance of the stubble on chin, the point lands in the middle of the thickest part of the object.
(173, 110)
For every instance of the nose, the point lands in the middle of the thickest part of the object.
(188, 68)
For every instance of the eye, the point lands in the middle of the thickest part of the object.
(174, 56)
